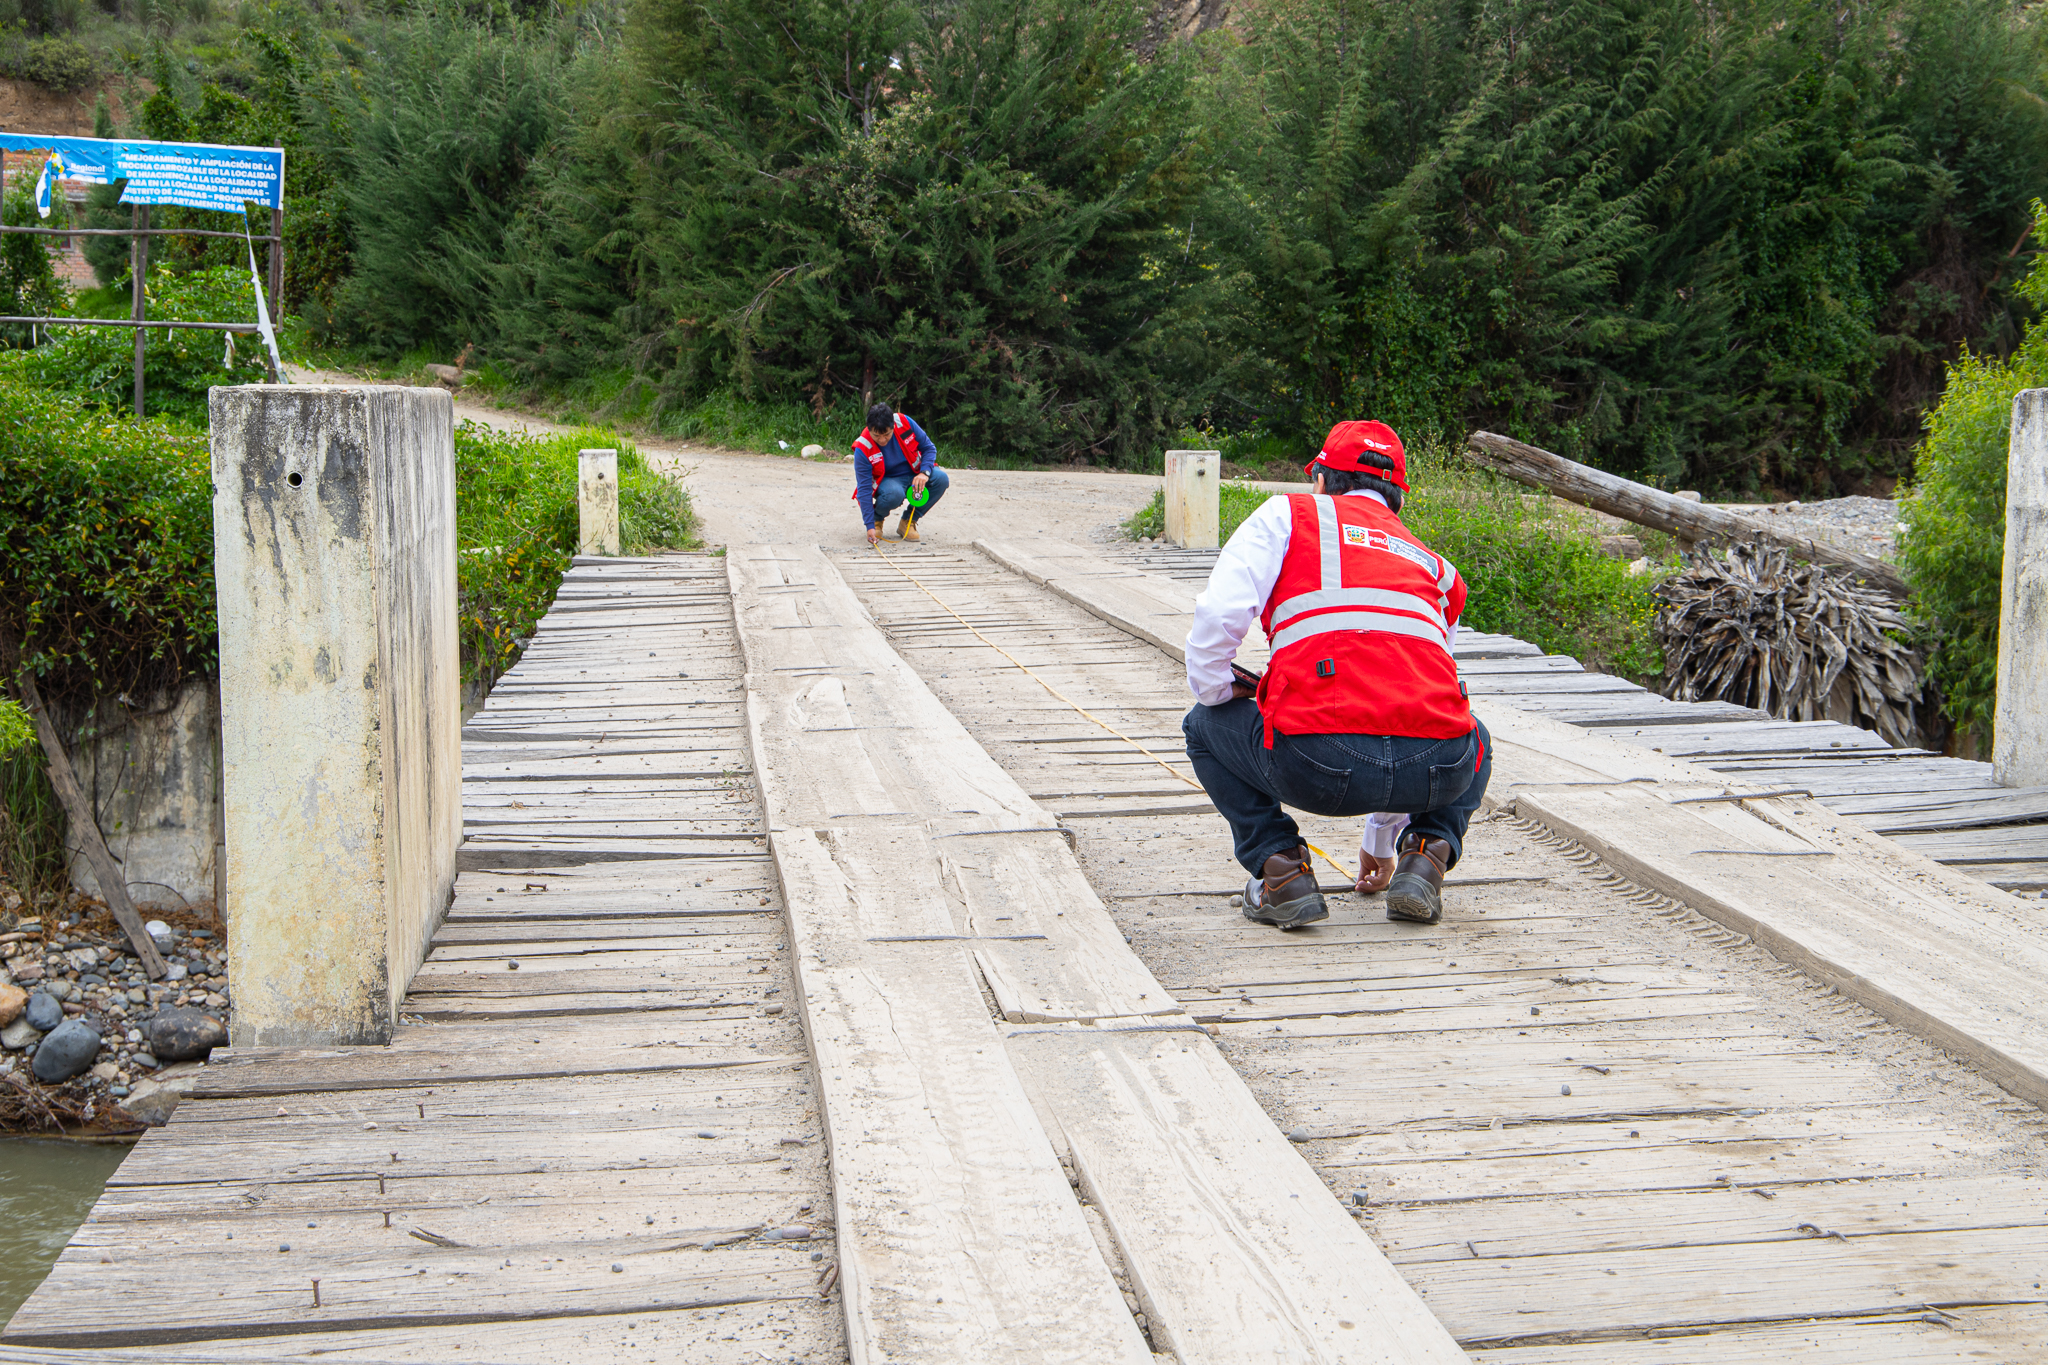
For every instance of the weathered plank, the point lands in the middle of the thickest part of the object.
(958, 1235)
(1948, 967)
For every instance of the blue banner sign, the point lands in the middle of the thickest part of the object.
(197, 175)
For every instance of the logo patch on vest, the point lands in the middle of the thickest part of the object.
(1373, 539)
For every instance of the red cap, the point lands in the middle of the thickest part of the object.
(1347, 440)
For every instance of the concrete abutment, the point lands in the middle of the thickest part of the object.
(334, 545)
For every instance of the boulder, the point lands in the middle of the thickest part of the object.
(160, 934)
(13, 1000)
(812, 452)
(68, 1050)
(448, 376)
(1621, 547)
(43, 1012)
(182, 1034)
(18, 1035)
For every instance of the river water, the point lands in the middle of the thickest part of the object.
(46, 1189)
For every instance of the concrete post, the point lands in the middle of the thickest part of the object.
(1194, 483)
(2019, 745)
(597, 502)
(334, 565)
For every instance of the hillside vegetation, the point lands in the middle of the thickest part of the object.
(1732, 249)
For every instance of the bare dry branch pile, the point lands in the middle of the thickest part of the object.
(1798, 641)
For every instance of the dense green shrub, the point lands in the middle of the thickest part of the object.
(106, 546)
(515, 522)
(454, 111)
(96, 365)
(1953, 547)
(58, 64)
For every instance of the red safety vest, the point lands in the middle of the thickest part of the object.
(904, 437)
(1359, 622)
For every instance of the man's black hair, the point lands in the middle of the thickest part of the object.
(1338, 482)
(881, 417)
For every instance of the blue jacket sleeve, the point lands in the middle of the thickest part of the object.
(928, 459)
(864, 488)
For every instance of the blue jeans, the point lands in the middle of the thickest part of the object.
(1437, 782)
(891, 492)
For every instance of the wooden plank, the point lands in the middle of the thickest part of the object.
(792, 1328)
(1911, 1335)
(1233, 1244)
(958, 1235)
(1691, 1287)
(2015, 843)
(264, 1290)
(1954, 972)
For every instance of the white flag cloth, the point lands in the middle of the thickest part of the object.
(53, 171)
(263, 307)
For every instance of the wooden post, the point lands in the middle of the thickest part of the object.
(597, 502)
(84, 827)
(2019, 745)
(1646, 506)
(138, 267)
(341, 705)
(1194, 483)
(277, 266)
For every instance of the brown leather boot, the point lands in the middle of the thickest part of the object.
(1287, 897)
(1416, 893)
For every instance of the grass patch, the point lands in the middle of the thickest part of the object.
(515, 527)
(1532, 564)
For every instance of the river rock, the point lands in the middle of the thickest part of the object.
(13, 1000)
(43, 1012)
(160, 934)
(18, 1035)
(181, 1034)
(28, 971)
(68, 1050)
(59, 989)
(151, 1103)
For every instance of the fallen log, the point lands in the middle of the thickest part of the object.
(1647, 506)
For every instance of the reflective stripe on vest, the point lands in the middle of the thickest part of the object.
(906, 441)
(1336, 607)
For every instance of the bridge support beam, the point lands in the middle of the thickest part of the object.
(2019, 746)
(334, 562)
(1194, 490)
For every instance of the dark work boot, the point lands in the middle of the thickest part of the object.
(1416, 893)
(1287, 897)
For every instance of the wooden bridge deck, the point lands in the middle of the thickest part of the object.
(1075, 1107)
(600, 1108)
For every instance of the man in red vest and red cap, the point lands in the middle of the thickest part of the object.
(1360, 710)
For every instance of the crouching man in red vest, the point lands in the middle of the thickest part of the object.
(1360, 709)
(892, 459)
